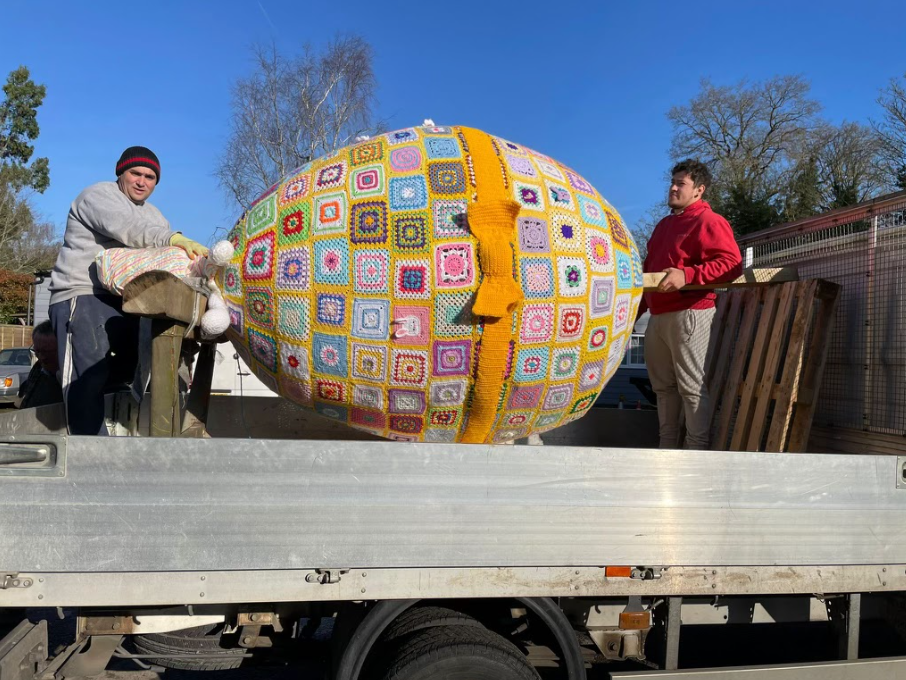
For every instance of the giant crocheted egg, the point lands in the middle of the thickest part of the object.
(434, 284)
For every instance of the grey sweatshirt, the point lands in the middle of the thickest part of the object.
(102, 217)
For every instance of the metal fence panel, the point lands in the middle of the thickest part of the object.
(863, 248)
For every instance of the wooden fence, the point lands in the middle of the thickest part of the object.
(14, 336)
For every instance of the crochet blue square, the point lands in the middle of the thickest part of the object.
(329, 354)
(624, 271)
(331, 411)
(442, 147)
(531, 364)
(332, 261)
(371, 319)
(536, 277)
(408, 193)
(331, 308)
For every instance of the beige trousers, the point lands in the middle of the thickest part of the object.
(676, 347)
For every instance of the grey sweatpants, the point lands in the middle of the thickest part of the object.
(676, 347)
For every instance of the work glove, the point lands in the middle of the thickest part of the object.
(191, 247)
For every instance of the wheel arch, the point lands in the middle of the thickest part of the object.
(367, 633)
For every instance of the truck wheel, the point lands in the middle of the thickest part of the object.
(205, 641)
(420, 618)
(459, 651)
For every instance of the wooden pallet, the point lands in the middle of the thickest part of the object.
(768, 349)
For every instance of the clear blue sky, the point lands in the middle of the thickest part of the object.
(588, 83)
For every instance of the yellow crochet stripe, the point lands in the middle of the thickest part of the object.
(492, 220)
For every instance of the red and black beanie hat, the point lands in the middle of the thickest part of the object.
(136, 156)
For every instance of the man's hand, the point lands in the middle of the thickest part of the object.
(191, 247)
(675, 279)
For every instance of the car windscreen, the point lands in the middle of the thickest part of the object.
(15, 357)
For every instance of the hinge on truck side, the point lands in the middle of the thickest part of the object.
(8, 580)
(326, 576)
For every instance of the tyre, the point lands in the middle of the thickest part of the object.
(419, 618)
(206, 641)
(458, 653)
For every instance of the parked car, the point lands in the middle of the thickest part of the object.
(15, 364)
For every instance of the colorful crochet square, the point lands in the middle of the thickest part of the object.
(410, 233)
(412, 279)
(294, 361)
(402, 136)
(232, 280)
(262, 216)
(453, 315)
(567, 231)
(600, 303)
(447, 392)
(369, 362)
(372, 420)
(258, 264)
(331, 390)
(292, 269)
(368, 223)
(261, 306)
(447, 178)
(352, 287)
(332, 262)
(411, 325)
(444, 417)
(531, 364)
(521, 165)
(331, 411)
(537, 323)
(371, 319)
(529, 196)
(406, 424)
(295, 222)
(293, 317)
(406, 401)
(329, 354)
(405, 159)
(537, 277)
(331, 176)
(442, 147)
(408, 367)
(263, 349)
(371, 271)
(533, 235)
(368, 396)
(331, 309)
(408, 193)
(451, 357)
(617, 230)
(368, 181)
(450, 218)
(454, 265)
(369, 152)
(330, 214)
(557, 397)
(564, 363)
(295, 189)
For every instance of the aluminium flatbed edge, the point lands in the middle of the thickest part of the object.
(125, 521)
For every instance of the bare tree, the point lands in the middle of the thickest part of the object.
(892, 130)
(644, 226)
(752, 136)
(291, 110)
(849, 165)
(27, 243)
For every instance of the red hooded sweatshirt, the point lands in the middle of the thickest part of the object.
(699, 241)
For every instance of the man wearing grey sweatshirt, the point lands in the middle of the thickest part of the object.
(97, 343)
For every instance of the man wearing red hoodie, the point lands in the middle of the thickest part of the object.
(692, 246)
